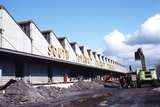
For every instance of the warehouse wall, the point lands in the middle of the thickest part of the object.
(54, 41)
(7, 71)
(105, 62)
(1, 27)
(13, 37)
(97, 61)
(78, 52)
(92, 58)
(86, 59)
(39, 43)
(58, 74)
(110, 65)
(100, 60)
(38, 73)
(86, 52)
(71, 53)
(56, 44)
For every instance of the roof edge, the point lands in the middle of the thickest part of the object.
(2, 7)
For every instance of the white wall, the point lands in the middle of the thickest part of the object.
(79, 54)
(86, 52)
(106, 63)
(1, 11)
(71, 53)
(92, 61)
(54, 41)
(103, 61)
(39, 43)
(13, 36)
(86, 59)
(77, 50)
(56, 44)
(97, 60)
(109, 65)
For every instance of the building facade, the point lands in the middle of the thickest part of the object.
(39, 57)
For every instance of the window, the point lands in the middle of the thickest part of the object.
(47, 37)
(26, 29)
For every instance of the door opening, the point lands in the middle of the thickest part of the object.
(19, 73)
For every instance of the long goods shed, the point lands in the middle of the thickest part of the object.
(41, 57)
(20, 59)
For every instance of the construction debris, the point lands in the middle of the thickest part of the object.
(11, 81)
(19, 93)
(81, 85)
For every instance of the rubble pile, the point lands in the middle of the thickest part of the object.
(20, 93)
(82, 85)
(50, 92)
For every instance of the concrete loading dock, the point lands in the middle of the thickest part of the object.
(10, 58)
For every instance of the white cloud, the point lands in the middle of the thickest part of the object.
(149, 32)
(122, 46)
(151, 27)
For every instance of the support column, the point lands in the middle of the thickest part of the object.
(1, 31)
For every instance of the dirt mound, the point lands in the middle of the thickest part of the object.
(21, 93)
(82, 85)
(49, 92)
(11, 81)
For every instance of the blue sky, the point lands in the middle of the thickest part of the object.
(84, 21)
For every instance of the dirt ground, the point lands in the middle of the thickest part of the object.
(81, 94)
(20, 94)
(135, 97)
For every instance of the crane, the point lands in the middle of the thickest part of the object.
(145, 76)
(140, 56)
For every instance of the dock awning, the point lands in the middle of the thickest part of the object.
(22, 56)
